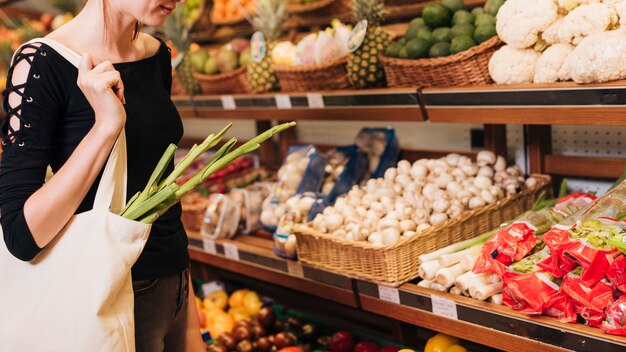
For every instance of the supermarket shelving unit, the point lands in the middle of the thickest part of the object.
(537, 107)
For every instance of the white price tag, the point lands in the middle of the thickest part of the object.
(283, 101)
(316, 100)
(228, 102)
(294, 268)
(209, 246)
(231, 251)
(444, 307)
(211, 287)
(389, 294)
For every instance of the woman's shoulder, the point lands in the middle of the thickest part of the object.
(151, 45)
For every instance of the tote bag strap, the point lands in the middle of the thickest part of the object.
(111, 193)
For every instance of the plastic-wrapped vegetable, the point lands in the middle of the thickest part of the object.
(298, 208)
(615, 321)
(302, 171)
(516, 240)
(345, 168)
(590, 300)
(382, 148)
(617, 273)
(251, 201)
(221, 219)
(585, 244)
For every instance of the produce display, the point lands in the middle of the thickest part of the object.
(227, 58)
(564, 261)
(364, 67)
(225, 10)
(297, 210)
(550, 41)
(322, 47)
(445, 29)
(269, 20)
(411, 198)
(242, 323)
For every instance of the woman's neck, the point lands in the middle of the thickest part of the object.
(112, 40)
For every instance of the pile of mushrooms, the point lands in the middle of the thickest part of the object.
(334, 168)
(411, 198)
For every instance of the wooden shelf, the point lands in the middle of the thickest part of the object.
(531, 104)
(257, 260)
(349, 105)
(486, 323)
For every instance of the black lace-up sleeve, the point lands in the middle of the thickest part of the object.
(32, 104)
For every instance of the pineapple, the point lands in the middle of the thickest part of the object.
(269, 20)
(364, 68)
(176, 28)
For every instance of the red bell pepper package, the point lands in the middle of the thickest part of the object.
(561, 307)
(530, 293)
(615, 321)
(515, 241)
(590, 300)
(617, 273)
(584, 244)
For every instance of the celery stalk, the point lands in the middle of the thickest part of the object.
(152, 185)
(130, 203)
(152, 202)
(210, 142)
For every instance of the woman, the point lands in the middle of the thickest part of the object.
(69, 118)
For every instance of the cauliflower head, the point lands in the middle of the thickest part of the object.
(551, 65)
(510, 65)
(551, 35)
(586, 20)
(599, 57)
(519, 22)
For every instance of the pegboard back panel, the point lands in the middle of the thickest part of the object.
(589, 141)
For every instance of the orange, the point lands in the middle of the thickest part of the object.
(220, 324)
(239, 313)
(219, 299)
(252, 303)
(236, 299)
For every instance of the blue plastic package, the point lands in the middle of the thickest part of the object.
(382, 147)
(352, 173)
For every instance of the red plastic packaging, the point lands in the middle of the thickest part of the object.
(617, 273)
(615, 321)
(590, 300)
(562, 308)
(530, 293)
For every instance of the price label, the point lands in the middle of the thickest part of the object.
(211, 287)
(316, 100)
(444, 307)
(283, 101)
(228, 102)
(209, 246)
(231, 251)
(389, 294)
(294, 268)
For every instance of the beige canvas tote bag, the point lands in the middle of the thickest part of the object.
(77, 294)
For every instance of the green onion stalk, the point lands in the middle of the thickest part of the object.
(160, 195)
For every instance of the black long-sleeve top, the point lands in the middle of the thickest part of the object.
(55, 116)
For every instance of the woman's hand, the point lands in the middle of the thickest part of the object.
(103, 87)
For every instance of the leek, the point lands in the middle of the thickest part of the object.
(455, 247)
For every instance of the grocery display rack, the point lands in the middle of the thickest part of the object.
(538, 107)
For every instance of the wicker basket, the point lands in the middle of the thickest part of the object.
(193, 215)
(396, 264)
(302, 7)
(224, 83)
(470, 67)
(313, 77)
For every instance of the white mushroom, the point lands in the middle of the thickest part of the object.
(419, 171)
(407, 225)
(531, 182)
(500, 164)
(443, 180)
(482, 182)
(386, 222)
(409, 233)
(440, 205)
(476, 202)
(390, 235)
(390, 174)
(486, 171)
(334, 222)
(454, 187)
(487, 197)
(458, 174)
(375, 238)
(453, 159)
(485, 157)
(469, 170)
(404, 167)
(438, 218)
(422, 227)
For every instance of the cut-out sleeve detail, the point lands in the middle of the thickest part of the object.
(32, 107)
